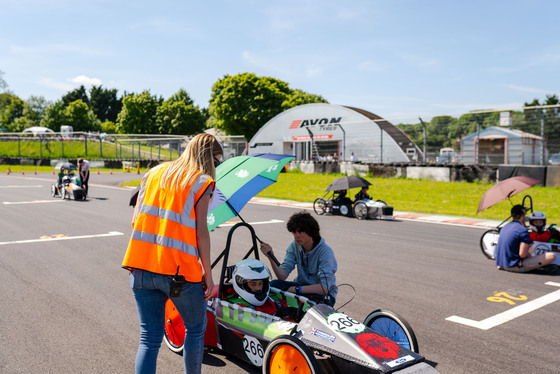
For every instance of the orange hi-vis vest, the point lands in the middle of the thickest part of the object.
(164, 227)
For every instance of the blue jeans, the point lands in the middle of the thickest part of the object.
(151, 291)
(320, 299)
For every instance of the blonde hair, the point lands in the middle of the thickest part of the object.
(198, 158)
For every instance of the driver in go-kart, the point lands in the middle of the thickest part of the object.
(539, 232)
(363, 194)
(251, 286)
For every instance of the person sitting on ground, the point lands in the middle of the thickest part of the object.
(363, 194)
(514, 250)
(539, 232)
(251, 288)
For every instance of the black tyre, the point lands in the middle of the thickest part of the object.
(360, 210)
(488, 242)
(381, 201)
(320, 206)
(53, 190)
(394, 327)
(287, 354)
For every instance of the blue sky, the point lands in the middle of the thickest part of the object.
(398, 59)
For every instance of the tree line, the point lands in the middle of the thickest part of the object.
(447, 131)
(239, 105)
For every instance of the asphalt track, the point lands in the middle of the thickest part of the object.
(66, 306)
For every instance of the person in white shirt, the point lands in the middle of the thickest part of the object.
(83, 167)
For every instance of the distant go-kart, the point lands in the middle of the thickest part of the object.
(323, 340)
(67, 184)
(336, 202)
(489, 238)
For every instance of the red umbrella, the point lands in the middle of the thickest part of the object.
(504, 190)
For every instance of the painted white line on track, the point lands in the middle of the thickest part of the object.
(511, 314)
(110, 233)
(16, 186)
(31, 202)
(252, 223)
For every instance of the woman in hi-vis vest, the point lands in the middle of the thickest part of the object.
(169, 237)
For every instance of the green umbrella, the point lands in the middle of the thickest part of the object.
(238, 180)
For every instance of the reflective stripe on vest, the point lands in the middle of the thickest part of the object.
(164, 237)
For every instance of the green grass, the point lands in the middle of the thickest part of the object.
(74, 148)
(445, 198)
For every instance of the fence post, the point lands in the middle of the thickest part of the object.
(85, 144)
(100, 147)
(62, 145)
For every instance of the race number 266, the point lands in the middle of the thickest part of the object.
(341, 322)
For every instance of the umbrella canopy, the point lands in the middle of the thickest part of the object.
(238, 180)
(345, 183)
(65, 166)
(504, 190)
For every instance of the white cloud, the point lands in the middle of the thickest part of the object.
(87, 81)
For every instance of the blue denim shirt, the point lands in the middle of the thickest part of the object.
(317, 266)
(507, 249)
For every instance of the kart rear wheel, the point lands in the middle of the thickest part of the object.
(488, 242)
(392, 326)
(360, 210)
(320, 206)
(53, 190)
(287, 354)
(174, 328)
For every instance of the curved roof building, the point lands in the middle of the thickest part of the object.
(311, 131)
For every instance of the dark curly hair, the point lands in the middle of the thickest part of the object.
(304, 222)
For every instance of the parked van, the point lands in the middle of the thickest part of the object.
(446, 155)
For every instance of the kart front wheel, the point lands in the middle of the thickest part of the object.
(288, 354)
(53, 190)
(360, 210)
(392, 326)
(488, 242)
(320, 206)
(174, 328)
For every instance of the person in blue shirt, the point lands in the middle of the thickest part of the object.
(514, 250)
(316, 264)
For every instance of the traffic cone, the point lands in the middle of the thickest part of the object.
(138, 169)
(110, 171)
(22, 172)
(8, 172)
(97, 171)
(35, 172)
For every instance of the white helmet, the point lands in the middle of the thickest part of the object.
(534, 216)
(251, 269)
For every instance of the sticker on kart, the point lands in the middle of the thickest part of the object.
(253, 349)
(342, 323)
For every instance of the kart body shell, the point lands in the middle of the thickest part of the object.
(323, 339)
(362, 209)
(67, 186)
